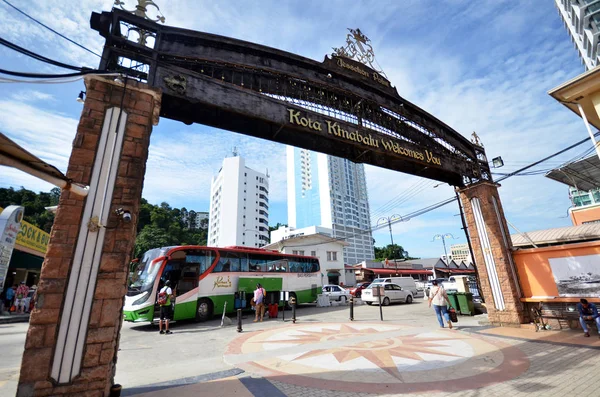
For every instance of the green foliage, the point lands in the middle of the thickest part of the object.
(161, 225)
(391, 252)
(35, 205)
(158, 225)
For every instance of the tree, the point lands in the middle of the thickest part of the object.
(391, 252)
(35, 205)
(151, 237)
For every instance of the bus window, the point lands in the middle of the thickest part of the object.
(257, 265)
(230, 262)
(282, 266)
(202, 259)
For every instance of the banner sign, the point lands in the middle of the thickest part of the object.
(32, 237)
(10, 223)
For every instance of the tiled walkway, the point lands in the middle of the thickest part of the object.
(368, 359)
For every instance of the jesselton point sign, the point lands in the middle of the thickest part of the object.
(32, 237)
(332, 127)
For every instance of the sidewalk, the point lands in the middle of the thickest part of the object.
(7, 318)
(375, 359)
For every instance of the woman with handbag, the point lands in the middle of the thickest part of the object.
(439, 299)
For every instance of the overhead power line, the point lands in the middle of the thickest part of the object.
(53, 76)
(36, 56)
(50, 29)
(449, 200)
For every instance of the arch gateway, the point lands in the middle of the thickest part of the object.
(342, 106)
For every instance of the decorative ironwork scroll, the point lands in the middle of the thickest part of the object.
(141, 10)
(358, 47)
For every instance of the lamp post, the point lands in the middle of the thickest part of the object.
(443, 237)
(389, 220)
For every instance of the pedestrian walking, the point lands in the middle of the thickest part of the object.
(259, 301)
(439, 299)
(10, 295)
(21, 296)
(166, 310)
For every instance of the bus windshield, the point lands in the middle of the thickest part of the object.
(145, 274)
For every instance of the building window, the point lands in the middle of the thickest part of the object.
(313, 253)
(332, 255)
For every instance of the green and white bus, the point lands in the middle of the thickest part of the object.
(204, 278)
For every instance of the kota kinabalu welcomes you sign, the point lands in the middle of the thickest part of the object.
(332, 127)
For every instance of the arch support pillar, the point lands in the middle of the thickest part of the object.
(492, 253)
(72, 342)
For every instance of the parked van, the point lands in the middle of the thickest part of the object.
(404, 282)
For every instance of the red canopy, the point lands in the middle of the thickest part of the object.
(391, 272)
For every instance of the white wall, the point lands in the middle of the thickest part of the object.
(315, 246)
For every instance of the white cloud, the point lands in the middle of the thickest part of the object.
(478, 66)
(32, 96)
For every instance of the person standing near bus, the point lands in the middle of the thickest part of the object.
(21, 296)
(259, 299)
(166, 310)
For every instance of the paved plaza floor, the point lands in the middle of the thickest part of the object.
(325, 354)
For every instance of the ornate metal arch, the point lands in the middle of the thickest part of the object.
(339, 106)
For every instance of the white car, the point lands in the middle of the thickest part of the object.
(392, 293)
(336, 293)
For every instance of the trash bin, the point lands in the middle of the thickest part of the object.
(465, 303)
(453, 300)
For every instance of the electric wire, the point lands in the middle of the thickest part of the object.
(50, 29)
(442, 203)
(38, 57)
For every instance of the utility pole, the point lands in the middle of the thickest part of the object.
(389, 220)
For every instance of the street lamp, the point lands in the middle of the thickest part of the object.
(389, 220)
(443, 237)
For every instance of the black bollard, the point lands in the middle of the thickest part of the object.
(283, 311)
(351, 307)
(115, 390)
(293, 303)
(380, 308)
(239, 320)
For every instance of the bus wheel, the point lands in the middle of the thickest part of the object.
(204, 310)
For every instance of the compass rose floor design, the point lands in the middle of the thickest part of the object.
(376, 358)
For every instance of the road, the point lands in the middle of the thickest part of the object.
(196, 349)
(12, 341)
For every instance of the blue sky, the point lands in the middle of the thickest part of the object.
(481, 66)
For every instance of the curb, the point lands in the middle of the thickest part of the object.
(10, 319)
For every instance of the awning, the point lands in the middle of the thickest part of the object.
(391, 272)
(456, 270)
(333, 273)
(582, 175)
(23, 260)
(13, 155)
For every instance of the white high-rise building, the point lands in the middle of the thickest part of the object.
(239, 206)
(582, 19)
(330, 192)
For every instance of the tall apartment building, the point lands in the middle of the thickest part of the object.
(330, 192)
(582, 19)
(201, 220)
(194, 220)
(239, 206)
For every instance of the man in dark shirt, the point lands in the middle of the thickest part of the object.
(588, 311)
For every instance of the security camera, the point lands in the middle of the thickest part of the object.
(123, 213)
